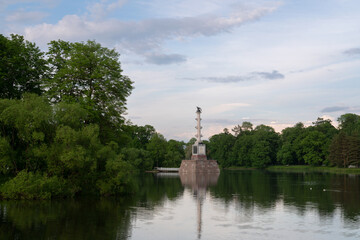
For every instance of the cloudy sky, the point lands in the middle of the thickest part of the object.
(267, 62)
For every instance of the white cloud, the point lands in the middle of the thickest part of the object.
(99, 10)
(24, 17)
(243, 78)
(352, 51)
(162, 59)
(142, 37)
(217, 109)
(5, 3)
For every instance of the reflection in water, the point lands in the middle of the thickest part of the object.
(65, 219)
(198, 182)
(241, 204)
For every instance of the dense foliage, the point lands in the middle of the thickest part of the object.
(22, 67)
(62, 130)
(318, 145)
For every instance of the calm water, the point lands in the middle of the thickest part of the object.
(234, 205)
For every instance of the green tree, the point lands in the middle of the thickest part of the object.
(260, 154)
(70, 114)
(345, 150)
(349, 123)
(157, 147)
(116, 178)
(245, 127)
(220, 148)
(286, 155)
(242, 149)
(22, 67)
(91, 75)
(290, 151)
(139, 158)
(174, 153)
(266, 144)
(7, 157)
(139, 135)
(74, 152)
(28, 126)
(30, 185)
(314, 148)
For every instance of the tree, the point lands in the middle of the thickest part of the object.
(266, 144)
(174, 153)
(117, 177)
(236, 130)
(345, 150)
(7, 158)
(242, 149)
(220, 147)
(286, 155)
(91, 75)
(140, 135)
(290, 150)
(325, 127)
(320, 121)
(22, 67)
(139, 158)
(314, 148)
(28, 125)
(157, 147)
(246, 127)
(260, 154)
(349, 123)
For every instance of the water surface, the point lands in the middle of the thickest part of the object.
(234, 205)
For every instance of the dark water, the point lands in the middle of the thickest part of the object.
(234, 205)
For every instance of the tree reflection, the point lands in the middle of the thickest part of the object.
(113, 218)
(66, 219)
(323, 191)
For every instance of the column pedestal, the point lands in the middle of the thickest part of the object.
(199, 165)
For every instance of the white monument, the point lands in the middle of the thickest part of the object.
(198, 163)
(199, 148)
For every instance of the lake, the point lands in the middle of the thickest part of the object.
(233, 205)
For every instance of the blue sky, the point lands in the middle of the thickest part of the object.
(267, 62)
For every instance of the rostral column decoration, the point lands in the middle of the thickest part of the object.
(199, 148)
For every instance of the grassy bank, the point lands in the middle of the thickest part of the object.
(235, 168)
(306, 168)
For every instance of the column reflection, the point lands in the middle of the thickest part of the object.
(198, 183)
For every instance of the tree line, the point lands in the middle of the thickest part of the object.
(62, 125)
(63, 131)
(320, 144)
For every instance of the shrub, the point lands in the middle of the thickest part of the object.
(29, 185)
(117, 178)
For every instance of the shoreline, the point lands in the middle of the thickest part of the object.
(300, 169)
(306, 168)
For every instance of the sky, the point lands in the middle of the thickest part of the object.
(267, 62)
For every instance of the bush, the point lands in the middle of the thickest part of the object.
(29, 185)
(117, 178)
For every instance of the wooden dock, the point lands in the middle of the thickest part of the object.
(162, 169)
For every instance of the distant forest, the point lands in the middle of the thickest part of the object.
(63, 131)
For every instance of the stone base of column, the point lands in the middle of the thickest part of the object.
(199, 166)
(198, 157)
